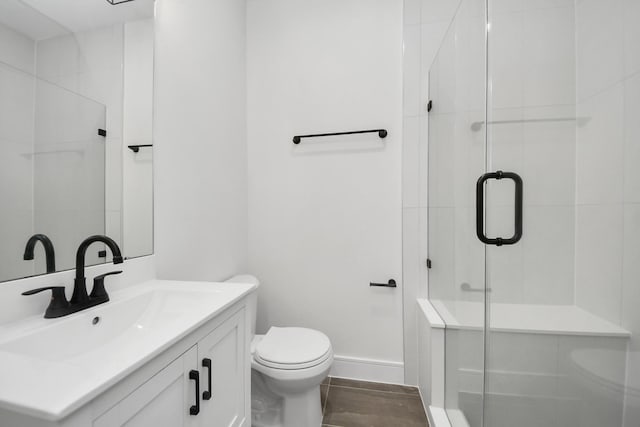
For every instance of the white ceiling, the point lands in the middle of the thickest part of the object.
(43, 19)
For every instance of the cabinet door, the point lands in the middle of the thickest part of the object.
(163, 401)
(225, 350)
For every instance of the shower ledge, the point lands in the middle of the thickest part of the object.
(527, 318)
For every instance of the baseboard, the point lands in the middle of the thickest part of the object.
(382, 371)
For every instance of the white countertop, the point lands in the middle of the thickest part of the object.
(51, 367)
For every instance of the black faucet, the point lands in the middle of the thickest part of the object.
(48, 250)
(59, 306)
(80, 296)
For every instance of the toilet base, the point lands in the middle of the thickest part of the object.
(275, 406)
(302, 409)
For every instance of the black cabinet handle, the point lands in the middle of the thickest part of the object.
(390, 284)
(517, 235)
(206, 363)
(195, 375)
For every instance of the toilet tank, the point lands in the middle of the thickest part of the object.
(252, 302)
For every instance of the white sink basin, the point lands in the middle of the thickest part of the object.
(50, 367)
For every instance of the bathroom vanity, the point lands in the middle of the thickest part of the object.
(160, 353)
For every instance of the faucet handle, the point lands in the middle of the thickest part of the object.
(58, 306)
(98, 291)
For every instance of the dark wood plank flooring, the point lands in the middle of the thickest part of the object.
(351, 403)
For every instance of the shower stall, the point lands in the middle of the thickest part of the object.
(534, 213)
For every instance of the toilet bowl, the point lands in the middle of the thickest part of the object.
(287, 366)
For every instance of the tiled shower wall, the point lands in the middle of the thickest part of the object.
(608, 173)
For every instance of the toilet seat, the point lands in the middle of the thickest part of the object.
(292, 348)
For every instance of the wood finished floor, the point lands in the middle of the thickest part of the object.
(349, 403)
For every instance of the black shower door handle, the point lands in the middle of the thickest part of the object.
(498, 241)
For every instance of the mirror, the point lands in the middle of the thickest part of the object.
(76, 96)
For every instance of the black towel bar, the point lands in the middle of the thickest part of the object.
(382, 133)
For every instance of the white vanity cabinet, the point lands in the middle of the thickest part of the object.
(162, 401)
(218, 362)
(199, 379)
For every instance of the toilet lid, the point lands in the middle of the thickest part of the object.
(292, 348)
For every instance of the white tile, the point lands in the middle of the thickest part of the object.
(506, 6)
(506, 61)
(506, 150)
(631, 273)
(630, 312)
(423, 162)
(549, 166)
(17, 175)
(113, 227)
(548, 246)
(443, 73)
(599, 46)
(469, 57)
(16, 50)
(411, 73)
(502, 7)
(16, 226)
(469, 255)
(600, 148)
(16, 105)
(412, 12)
(411, 248)
(518, 353)
(583, 364)
(441, 159)
(411, 269)
(441, 253)
(432, 35)
(113, 172)
(423, 279)
(505, 264)
(411, 162)
(546, 4)
(632, 139)
(599, 242)
(549, 56)
(438, 10)
(631, 37)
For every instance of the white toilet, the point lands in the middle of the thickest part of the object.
(287, 366)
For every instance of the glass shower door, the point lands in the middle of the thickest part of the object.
(560, 301)
(456, 159)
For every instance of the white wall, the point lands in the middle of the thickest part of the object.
(325, 215)
(200, 167)
(17, 87)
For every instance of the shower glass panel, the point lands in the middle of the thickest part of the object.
(456, 160)
(542, 332)
(564, 298)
